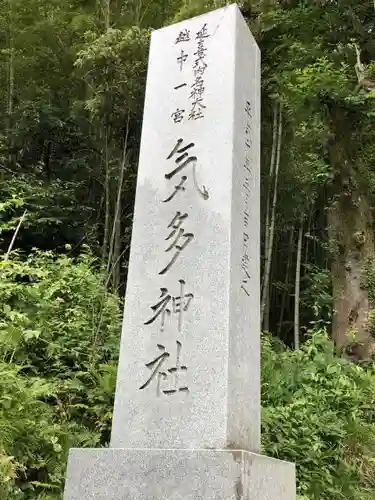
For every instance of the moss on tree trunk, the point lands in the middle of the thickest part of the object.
(351, 235)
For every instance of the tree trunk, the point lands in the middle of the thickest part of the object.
(114, 255)
(107, 14)
(266, 315)
(285, 294)
(270, 179)
(308, 236)
(11, 245)
(265, 291)
(350, 229)
(107, 215)
(104, 7)
(10, 86)
(297, 285)
(115, 246)
(106, 258)
(116, 266)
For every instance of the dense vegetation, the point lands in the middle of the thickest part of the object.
(72, 80)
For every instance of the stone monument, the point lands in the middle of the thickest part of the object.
(186, 421)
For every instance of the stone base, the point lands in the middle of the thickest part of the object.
(145, 474)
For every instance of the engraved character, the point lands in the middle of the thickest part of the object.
(181, 59)
(199, 66)
(196, 110)
(180, 86)
(183, 36)
(245, 264)
(198, 88)
(178, 115)
(180, 239)
(161, 309)
(246, 216)
(181, 303)
(202, 33)
(245, 282)
(248, 109)
(201, 50)
(199, 70)
(175, 372)
(156, 363)
(179, 187)
(169, 304)
(182, 160)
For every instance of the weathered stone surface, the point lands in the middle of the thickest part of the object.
(210, 226)
(188, 386)
(114, 474)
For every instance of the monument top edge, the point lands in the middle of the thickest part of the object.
(200, 16)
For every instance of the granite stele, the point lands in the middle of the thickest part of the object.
(186, 421)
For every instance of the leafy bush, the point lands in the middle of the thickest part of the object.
(318, 411)
(317, 293)
(369, 282)
(59, 337)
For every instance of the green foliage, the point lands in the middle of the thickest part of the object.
(317, 294)
(59, 337)
(318, 411)
(52, 316)
(58, 345)
(369, 283)
(116, 62)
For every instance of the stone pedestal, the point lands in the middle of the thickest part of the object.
(139, 474)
